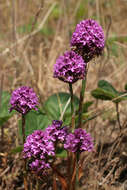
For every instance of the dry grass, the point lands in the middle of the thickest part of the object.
(32, 35)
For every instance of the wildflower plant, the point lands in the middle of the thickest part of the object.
(40, 147)
(23, 100)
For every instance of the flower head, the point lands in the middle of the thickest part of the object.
(70, 67)
(78, 141)
(88, 39)
(37, 148)
(23, 100)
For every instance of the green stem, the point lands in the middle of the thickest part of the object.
(70, 159)
(23, 128)
(82, 93)
(72, 99)
(72, 107)
(24, 161)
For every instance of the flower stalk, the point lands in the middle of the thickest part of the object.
(72, 107)
(24, 161)
(82, 94)
(23, 129)
(72, 99)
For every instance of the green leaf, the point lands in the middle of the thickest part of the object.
(51, 110)
(107, 86)
(18, 149)
(56, 103)
(34, 120)
(106, 91)
(4, 109)
(67, 119)
(102, 94)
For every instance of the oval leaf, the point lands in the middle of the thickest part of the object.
(107, 86)
(102, 94)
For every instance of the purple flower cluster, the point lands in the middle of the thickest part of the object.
(41, 144)
(56, 132)
(23, 100)
(88, 39)
(78, 141)
(70, 67)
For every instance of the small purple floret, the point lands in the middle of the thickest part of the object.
(88, 39)
(39, 165)
(56, 132)
(23, 100)
(78, 141)
(70, 67)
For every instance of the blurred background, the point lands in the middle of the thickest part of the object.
(34, 33)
